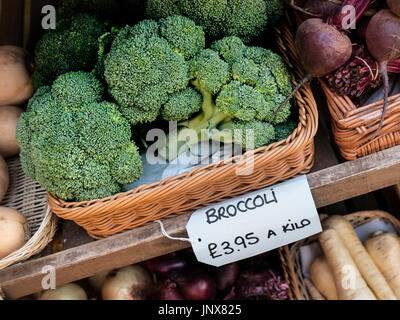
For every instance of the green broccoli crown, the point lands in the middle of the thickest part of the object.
(242, 87)
(182, 105)
(243, 18)
(149, 63)
(77, 149)
(72, 46)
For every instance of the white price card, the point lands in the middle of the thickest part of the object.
(254, 223)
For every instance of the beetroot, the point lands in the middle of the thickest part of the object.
(321, 47)
(383, 41)
(394, 6)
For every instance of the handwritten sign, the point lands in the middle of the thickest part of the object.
(254, 223)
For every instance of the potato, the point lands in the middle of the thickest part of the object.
(15, 81)
(9, 116)
(12, 231)
(4, 178)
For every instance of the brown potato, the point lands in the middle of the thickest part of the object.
(4, 178)
(9, 116)
(12, 231)
(15, 81)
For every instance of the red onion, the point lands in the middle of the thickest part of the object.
(167, 290)
(162, 266)
(195, 285)
(226, 276)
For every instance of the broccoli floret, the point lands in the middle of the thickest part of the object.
(72, 46)
(148, 65)
(249, 134)
(182, 105)
(242, 87)
(284, 130)
(243, 18)
(77, 146)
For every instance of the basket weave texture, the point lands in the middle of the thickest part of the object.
(290, 258)
(26, 196)
(211, 183)
(353, 127)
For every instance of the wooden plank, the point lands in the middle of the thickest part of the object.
(355, 178)
(328, 186)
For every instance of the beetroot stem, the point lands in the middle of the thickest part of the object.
(306, 79)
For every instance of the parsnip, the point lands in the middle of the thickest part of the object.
(384, 249)
(369, 271)
(314, 293)
(349, 283)
(322, 278)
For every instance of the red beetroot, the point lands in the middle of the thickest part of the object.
(383, 41)
(321, 47)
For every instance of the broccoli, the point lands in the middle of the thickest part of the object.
(73, 46)
(243, 18)
(242, 88)
(77, 146)
(147, 68)
(284, 130)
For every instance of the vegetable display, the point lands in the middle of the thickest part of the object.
(75, 144)
(242, 18)
(98, 85)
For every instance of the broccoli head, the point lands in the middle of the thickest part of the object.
(72, 46)
(147, 68)
(243, 18)
(242, 88)
(77, 146)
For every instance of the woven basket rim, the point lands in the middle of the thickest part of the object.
(306, 118)
(292, 270)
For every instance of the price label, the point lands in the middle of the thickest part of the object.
(254, 223)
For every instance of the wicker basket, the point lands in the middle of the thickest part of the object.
(26, 196)
(208, 184)
(354, 127)
(290, 258)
